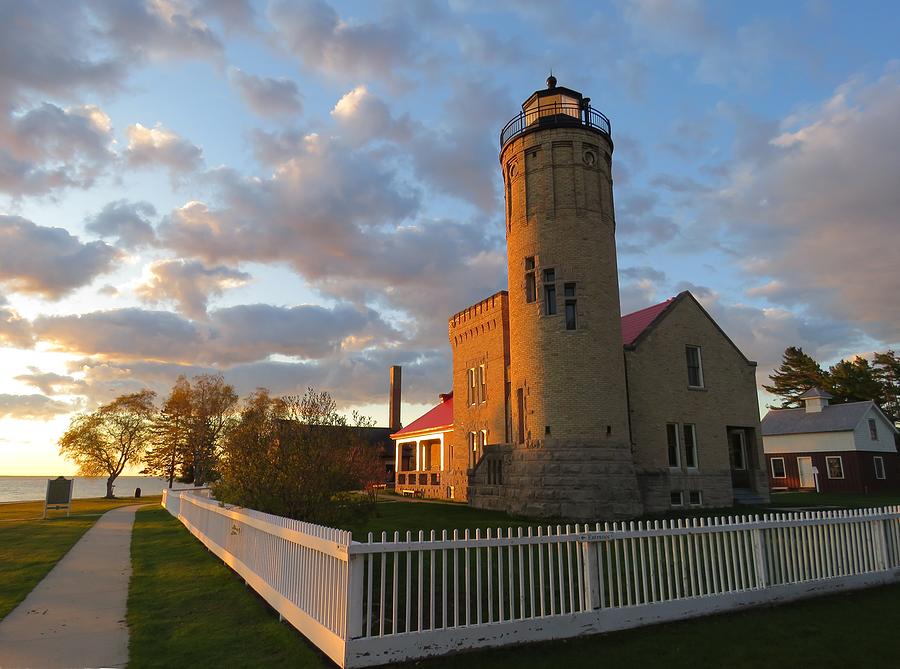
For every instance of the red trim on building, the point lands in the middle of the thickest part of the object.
(437, 419)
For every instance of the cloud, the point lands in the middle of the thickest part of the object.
(363, 117)
(460, 159)
(48, 261)
(189, 284)
(127, 221)
(51, 383)
(814, 213)
(267, 96)
(31, 407)
(158, 30)
(160, 146)
(323, 41)
(232, 335)
(49, 147)
(15, 331)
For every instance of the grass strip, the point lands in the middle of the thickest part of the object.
(31, 547)
(185, 607)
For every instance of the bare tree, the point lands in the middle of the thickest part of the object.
(110, 438)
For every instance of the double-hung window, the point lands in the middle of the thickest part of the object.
(673, 450)
(835, 467)
(482, 384)
(530, 291)
(571, 316)
(690, 445)
(879, 467)
(873, 430)
(778, 471)
(472, 394)
(549, 292)
(694, 366)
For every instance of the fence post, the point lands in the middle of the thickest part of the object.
(591, 566)
(355, 578)
(759, 555)
(880, 532)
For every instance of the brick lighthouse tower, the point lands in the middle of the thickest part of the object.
(569, 453)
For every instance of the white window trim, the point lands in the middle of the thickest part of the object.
(783, 468)
(699, 365)
(876, 459)
(828, 469)
(700, 495)
(677, 446)
(680, 494)
(696, 464)
(873, 428)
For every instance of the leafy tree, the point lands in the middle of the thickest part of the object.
(798, 373)
(212, 405)
(886, 370)
(110, 438)
(171, 434)
(297, 457)
(854, 381)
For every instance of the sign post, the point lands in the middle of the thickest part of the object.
(59, 494)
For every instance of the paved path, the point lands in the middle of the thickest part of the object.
(75, 617)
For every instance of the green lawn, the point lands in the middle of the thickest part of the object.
(185, 607)
(30, 547)
(835, 499)
(195, 610)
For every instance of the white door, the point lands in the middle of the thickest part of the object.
(806, 473)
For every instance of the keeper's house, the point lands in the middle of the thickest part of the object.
(848, 447)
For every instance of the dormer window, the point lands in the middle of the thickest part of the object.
(694, 367)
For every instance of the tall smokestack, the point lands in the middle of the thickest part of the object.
(396, 376)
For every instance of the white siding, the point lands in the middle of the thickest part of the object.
(885, 441)
(815, 442)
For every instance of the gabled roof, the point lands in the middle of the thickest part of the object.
(816, 392)
(832, 418)
(437, 419)
(634, 324)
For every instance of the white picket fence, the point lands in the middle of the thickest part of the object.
(399, 598)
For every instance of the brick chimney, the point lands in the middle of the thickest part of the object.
(394, 412)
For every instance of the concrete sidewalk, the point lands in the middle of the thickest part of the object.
(75, 617)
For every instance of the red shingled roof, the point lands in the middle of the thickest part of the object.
(438, 419)
(635, 323)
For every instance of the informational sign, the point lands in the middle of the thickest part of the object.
(59, 494)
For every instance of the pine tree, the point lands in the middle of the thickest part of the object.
(886, 370)
(798, 373)
(854, 381)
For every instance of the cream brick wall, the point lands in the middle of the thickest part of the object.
(560, 211)
(659, 394)
(479, 335)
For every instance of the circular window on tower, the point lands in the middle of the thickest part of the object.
(590, 158)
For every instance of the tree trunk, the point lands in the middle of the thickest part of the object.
(109, 487)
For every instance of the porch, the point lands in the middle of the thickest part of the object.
(420, 464)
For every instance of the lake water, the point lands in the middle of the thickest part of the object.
(24, 488)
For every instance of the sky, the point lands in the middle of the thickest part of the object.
(300, 194)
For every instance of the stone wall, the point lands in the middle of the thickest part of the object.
(659, 394)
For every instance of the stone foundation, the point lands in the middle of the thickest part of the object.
(573, 481)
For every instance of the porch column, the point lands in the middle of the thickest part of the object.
(397, 450)
(442, 451)
(418, 452)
